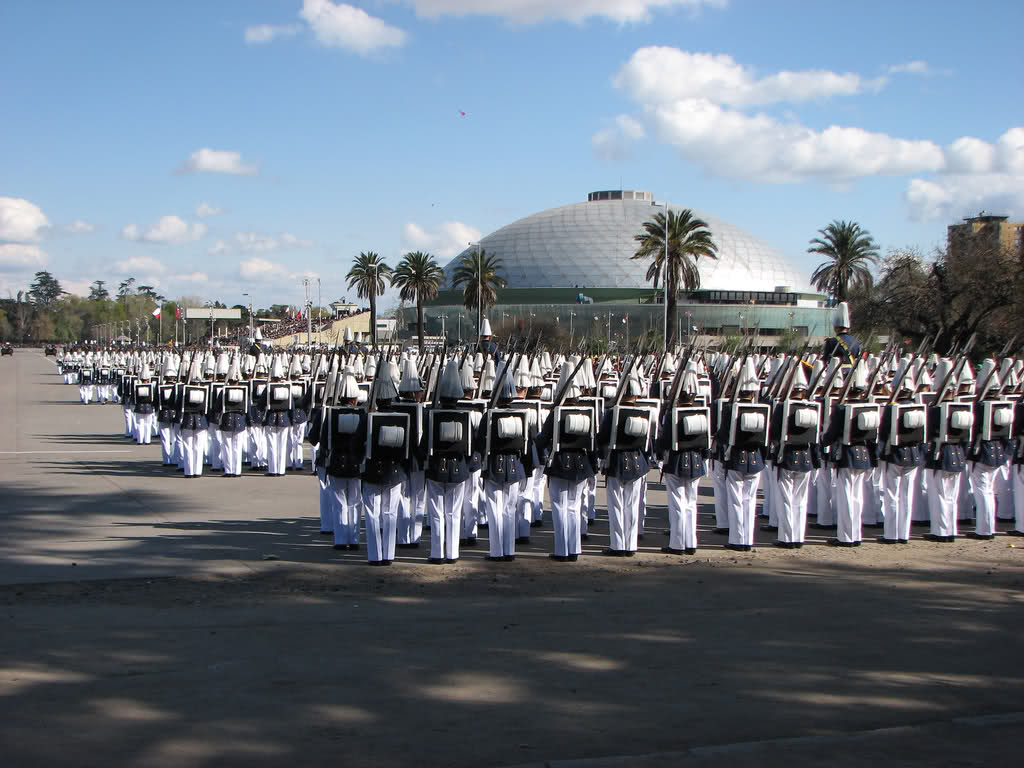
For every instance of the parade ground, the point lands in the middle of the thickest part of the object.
(149, 620)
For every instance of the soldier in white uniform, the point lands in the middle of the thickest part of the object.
(413, 505)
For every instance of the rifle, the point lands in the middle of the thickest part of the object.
(954, 373)
(734, 397)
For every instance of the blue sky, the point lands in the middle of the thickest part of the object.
(220, 147)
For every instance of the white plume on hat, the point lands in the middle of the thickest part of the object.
(563, 382)
(478, 361)
(466, 376)
(411, 381)
(277, 370)
(860, 375)
(748, 377)
(523, 378)
(690, 385)
(222, 364)
(348, 335)
(799, 377)
(988, 372)
(536, 374)
(841, 315)
(389, 376)
(452, 381)
(234, 370)
(485, 327)
(349, 388)
(295, 368)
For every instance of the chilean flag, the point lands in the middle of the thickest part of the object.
(156, 312)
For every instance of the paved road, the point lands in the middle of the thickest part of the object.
(144, 626)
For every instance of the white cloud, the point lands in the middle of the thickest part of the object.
(191, 277)
(205, 209)
(451, 239)
(77, 287)
(700, 104)
(977, 176)
(344, 26)
(15, 257)
(257, 268)
(78, 227)
(532, 11)
(663, 75)
(21, 220)
(140, 264)
(169, 229)
(207, 160)
(265, 33)
(612, 142)
(288, 240)
(250, 242)
(760, 147)
(916, 67)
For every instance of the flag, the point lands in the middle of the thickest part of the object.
(156, 312)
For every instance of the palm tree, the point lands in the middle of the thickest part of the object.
(850, 251)
(418, 278)
(369, 276)
(689, 238)
(477, 269)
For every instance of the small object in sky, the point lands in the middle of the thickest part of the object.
(463, 114)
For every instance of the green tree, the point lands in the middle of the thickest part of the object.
(850, 254)
(418, 278)
(124, 290)
(369, 276)
(45, 289)
(689, 238)
(5, 327)
(98, 291)
(474, 271)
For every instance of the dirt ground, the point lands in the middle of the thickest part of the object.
(150, 622)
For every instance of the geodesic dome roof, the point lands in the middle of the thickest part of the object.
(590, 245)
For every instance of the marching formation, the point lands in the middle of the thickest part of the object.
(486, 435)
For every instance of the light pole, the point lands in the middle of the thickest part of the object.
(571, 316)
(665, 206)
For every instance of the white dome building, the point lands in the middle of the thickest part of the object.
(590, 245)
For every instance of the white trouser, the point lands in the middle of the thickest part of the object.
(792, 490)
(192, 450)
(380, 505)
(824, 484)
(85, 393)
(277, 449)
(348, 503)
(873, 511)
(921, 503)
(231, 451)
(501, 503)
(984, 478)
(965, 501)
(850, 490)
(591, 498)
(145, 423)
(899, 499)
(1004, 491)
(641, 512)
(771, 497)
(682, 511)
(167, 443)
(566, 514)
(129, 421)
(943, 494)
(295, 457)
(213, 446)
(258, 442)
(326, 502)
(527, 505)
(471, 505)
(623, 513)
(721, 503)
(179, 447)
(540, 482)
(410, 513)
(444, 506)
(741, 504)
(1017, 472)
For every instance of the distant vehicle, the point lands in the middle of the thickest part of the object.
(51, 350)
(7, 349)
